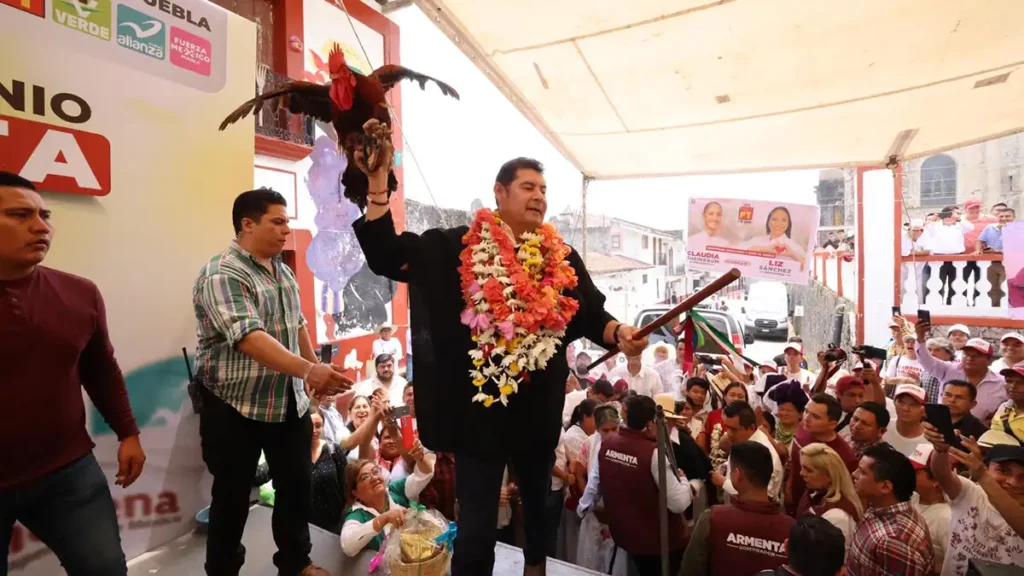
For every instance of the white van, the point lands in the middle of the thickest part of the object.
(766, 311)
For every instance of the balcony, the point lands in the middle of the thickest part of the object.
(836, 271)
(279, 132)
(973, 296)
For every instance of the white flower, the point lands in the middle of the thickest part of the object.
(480, 397)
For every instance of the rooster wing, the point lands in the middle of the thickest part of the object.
(297, 97)
(390, 75)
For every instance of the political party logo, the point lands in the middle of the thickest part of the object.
(745, 214)
(190, 52)
(90, 17)
(158, 392)
(140, 32)
(35, 7)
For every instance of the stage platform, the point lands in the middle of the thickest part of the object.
(184, 556)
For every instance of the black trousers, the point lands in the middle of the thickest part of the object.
(478, 488)
(231, 445)
(651, 565)
(947, 275)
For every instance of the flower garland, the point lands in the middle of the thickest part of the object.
(515, 308)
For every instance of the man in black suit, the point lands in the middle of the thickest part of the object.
(484, 439)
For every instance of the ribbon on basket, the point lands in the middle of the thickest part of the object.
(447, 540)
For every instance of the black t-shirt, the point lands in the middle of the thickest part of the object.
(970, 426)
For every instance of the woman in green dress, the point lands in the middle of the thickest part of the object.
(375, 506)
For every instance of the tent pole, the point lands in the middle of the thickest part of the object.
(583, 214)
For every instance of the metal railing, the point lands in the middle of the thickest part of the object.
(282, 124)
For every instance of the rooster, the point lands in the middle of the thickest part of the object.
(348, 102)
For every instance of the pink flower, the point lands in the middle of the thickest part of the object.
(508, 330)
(475, 321)
(473, 288)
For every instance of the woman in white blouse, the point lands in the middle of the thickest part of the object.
(830, 493)
(712, 215)
(375, 506)
(778, 237)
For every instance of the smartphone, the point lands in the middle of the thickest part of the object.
(326, 351)
(938, 415)
(924, 316)
(409, 429)
(896, 311)
(400, 411)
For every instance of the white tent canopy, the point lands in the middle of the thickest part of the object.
(671, 87)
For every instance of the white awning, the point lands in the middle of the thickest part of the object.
(671, 87)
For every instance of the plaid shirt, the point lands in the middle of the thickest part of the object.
(891, 540)
(932, 387)
(440, 493)
(234, 296)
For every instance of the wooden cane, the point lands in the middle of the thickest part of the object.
(684, 306)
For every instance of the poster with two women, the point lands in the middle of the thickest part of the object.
(763, 239)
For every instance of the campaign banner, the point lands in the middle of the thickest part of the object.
(111, 108)
(763, 239)
(1013, 261)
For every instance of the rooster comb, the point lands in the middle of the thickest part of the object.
(336, 56)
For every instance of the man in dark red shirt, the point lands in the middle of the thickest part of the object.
(820, 420)
(53, 334)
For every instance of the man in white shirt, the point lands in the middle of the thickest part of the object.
(385, 344)
(904, 368)
(740, 423)
(915, 243)
(641, 379)
(1011, 351)
(947, 237)
(908, 432)
(385, 378)
(931, 503)
(958, 335)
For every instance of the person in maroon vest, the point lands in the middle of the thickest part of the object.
(626, 474)
(747, 535)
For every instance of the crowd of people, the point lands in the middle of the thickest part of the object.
(954, 231)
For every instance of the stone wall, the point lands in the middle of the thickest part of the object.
(815, 326)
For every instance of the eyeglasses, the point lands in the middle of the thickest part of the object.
(367, 476)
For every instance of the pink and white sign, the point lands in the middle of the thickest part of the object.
(190, 52)
(768, 240)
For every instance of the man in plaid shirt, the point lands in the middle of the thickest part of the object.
(893, 538)
(256, 364)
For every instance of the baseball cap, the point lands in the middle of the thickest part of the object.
(972, 202)
(794, 346)
(922, 456)
(620, 386)
(958, 328)
(995, 438)
(983, 346)
(1005, 453)
(893, 324)
(912, 389)
(917, 223)
(770, 364)
(1012, 336)
(844, 383)
(1017, 368)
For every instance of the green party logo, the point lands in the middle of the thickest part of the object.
(90, 17)
(140, 32)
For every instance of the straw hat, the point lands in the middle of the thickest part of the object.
(668, 405)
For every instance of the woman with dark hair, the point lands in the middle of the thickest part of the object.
(375, 506)
(778, 238)
(791, 401)
(358, 412)
(711, 232)
(570, 445)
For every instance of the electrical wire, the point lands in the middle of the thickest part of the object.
(405, 139)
